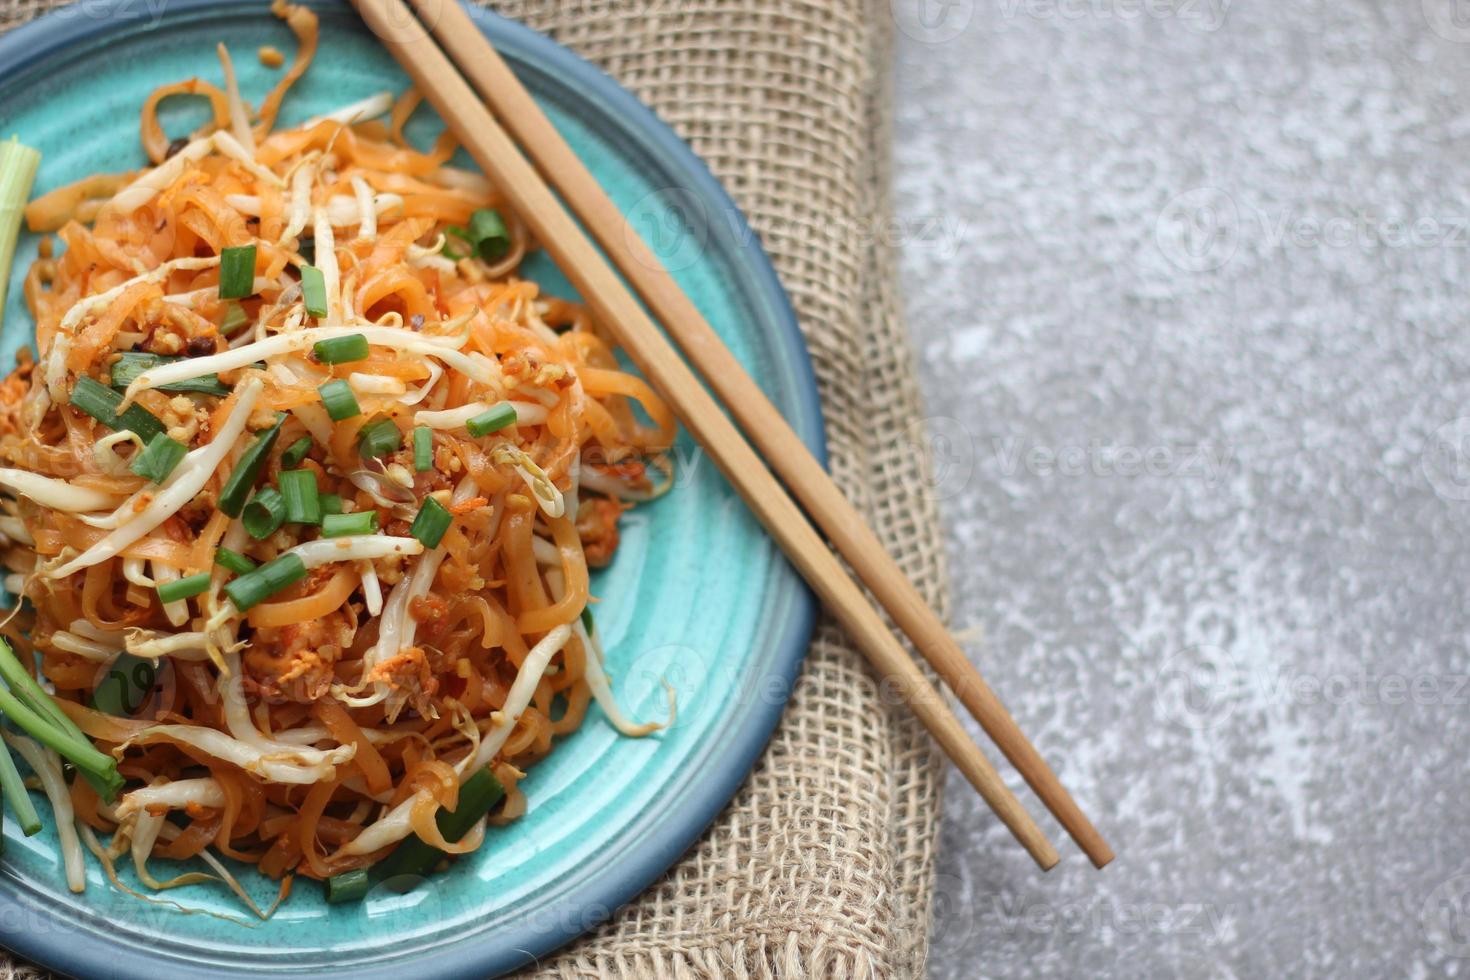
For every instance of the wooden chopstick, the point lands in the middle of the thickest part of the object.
(555, 231)
(762, 423)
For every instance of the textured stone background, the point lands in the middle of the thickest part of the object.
(1188, 279)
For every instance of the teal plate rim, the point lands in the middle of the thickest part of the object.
(665, 836)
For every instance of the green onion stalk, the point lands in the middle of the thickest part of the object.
(234, 561)
(13, 790)
(339, 401)
(347, 525)
(261, 583)
(314, 290)
(18, 165)
(431, 523)
(423, 449)
(303, 501)
(264, 514)
(237, 272)
(341, 350)
(296, 452)
(101, 402)
(130, 364)
(33, 711)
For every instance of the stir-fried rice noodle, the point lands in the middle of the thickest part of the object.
(423, 616)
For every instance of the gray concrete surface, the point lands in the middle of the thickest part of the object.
(1188, 283)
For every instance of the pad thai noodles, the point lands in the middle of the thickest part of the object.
(301, 487)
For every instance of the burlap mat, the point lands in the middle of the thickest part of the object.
(822, 864)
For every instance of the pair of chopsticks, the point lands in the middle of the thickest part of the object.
(482, 132)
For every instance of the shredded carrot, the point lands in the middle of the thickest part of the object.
(98, 334)
(465, 506)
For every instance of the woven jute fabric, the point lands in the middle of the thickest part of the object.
(822, 864)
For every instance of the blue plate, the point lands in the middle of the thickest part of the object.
(697, 596)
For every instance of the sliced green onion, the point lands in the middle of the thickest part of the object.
(314, 290)
(303, 503)
(159, 458)
(296, 452)
(235, 318)
(489, 234)
(242, 478)
(234, 561)
(339, 400)
(18, 165)
(378, 438)
(130, 364)
(491, 420)
(431, 523)
(265, 581)
(101, 402)
(183, 588)
(341, 350)
(331, 503)
(349, 886)
(127, 685)
(13, 789)
(237, 272)
(423, 448)
(413, 859)
(265, 513)
(343, 525)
